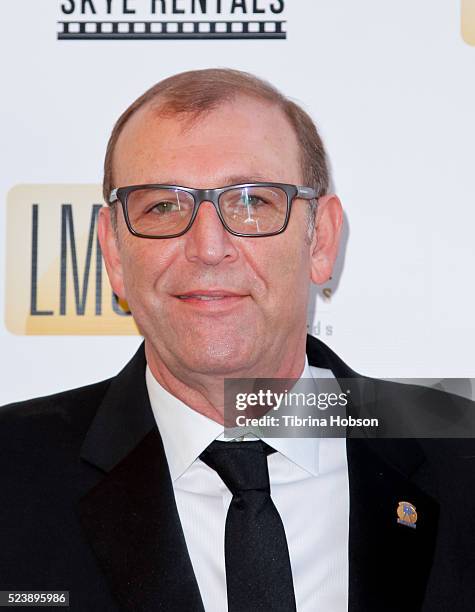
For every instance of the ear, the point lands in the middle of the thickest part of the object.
(326, 238)
(111, 251)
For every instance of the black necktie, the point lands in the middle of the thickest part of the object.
(258, 573)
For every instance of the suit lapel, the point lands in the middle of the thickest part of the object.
(130, 517)
(389, 562)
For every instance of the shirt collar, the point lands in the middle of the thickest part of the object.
(187, 433)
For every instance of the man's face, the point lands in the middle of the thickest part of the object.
(261, 285)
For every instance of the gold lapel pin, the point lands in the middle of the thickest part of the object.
(407, 514)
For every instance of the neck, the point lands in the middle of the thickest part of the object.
(204, 393)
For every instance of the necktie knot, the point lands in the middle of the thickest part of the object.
(242, 466)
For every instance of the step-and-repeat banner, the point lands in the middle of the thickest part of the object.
(391, 88)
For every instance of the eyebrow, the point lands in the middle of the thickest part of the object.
(235, 179)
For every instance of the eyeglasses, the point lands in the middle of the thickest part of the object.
(168, 211)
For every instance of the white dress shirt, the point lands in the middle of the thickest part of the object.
(309, 487)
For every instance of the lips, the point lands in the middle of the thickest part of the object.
(208, 295)
(201, 297)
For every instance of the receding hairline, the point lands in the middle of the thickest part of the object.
(192, 93)
(157, 108)
(195, 93)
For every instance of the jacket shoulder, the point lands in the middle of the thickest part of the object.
(65, 406)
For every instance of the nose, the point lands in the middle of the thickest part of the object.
(207, 241)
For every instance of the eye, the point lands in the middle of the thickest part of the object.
(253, 200)
(164, 207)
(247, 200)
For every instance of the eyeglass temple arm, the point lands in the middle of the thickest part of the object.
(113, 196)
(307, 193)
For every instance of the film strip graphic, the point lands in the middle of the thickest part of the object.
(170, 30)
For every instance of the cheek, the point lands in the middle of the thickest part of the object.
(284, 271)
(144, 264)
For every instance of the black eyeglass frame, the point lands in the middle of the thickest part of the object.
(293, 192)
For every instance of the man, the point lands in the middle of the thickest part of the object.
(125, 492)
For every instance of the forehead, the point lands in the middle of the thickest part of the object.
(244, 138)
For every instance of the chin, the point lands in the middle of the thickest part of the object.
(216, 356)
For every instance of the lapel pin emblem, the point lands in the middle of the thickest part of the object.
(407, 514)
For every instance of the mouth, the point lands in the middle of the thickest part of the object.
(209, 297)
(207, 294)
(201, 297)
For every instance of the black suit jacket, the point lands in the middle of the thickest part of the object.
(87, 505)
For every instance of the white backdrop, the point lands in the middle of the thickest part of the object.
(390, 85)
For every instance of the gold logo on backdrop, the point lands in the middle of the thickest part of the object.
(468, 21)
(56, 280)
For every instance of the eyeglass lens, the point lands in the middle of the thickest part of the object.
(247, 210)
